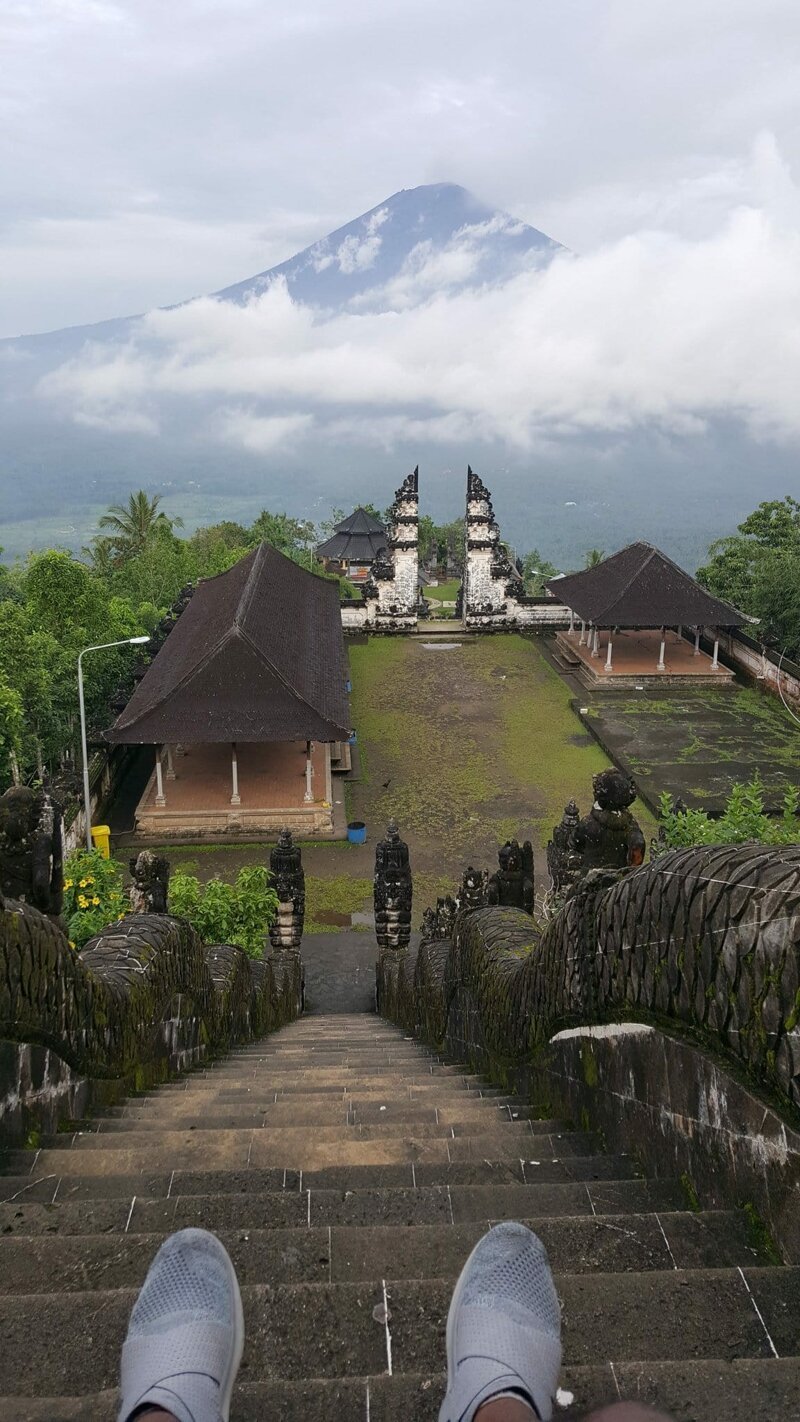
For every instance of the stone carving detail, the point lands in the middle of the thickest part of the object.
(609, 837)
(561, 863)
(493, 593)
(289, 883)
(512, 884)
(438, 923)
(473, 892)
(150, 888)
(31, 849)
(392, 891)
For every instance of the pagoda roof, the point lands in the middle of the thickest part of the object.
(257, 655)
(356, 539)
(641, 587)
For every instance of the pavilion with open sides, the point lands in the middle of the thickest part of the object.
(245, 706)
(354, 546)
(637, 618)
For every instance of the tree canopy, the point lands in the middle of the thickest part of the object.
(758, 570)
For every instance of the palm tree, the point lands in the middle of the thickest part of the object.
(134, 522)
(594, 556)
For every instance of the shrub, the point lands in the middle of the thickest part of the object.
(93, 894)
(237, 913)
(743, 820)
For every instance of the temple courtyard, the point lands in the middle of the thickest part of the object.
(468, 744)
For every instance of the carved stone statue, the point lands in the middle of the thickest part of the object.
(609, 837)
(393, 890)
(31, 849)
(150, 888)
(561, 850)
(289, 883)
(512, 884)
(473, 891)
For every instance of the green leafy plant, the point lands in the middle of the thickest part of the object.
(744, 820)
(93, 894)
(237, 913)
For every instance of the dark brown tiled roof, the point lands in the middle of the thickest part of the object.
(256, 656)
(357, 539)
(642, 587)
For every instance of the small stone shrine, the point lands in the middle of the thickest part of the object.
(473, 891)
(289, 883)
(31, 849)
(561, 862)
(511, 885)
(393, 890)
(609, 837)
(150, 888)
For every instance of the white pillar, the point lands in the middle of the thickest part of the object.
(661, 665)
(697, 641)
(160, 796)
(235, 796)
(596, 643)
(608, 653)
(680, 633)
(715, 658)
(328, 778)
(309, 795)
(571, 622)
(583, 634)
(170, 766)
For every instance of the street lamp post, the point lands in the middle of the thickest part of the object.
(101, 647)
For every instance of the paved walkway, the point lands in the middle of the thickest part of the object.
(340, 972)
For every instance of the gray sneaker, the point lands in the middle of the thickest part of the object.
(504, 1326)
(186, 1332)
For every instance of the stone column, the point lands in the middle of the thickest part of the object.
(236, 798)
(582, 638)
(161, 798)
(697, 641)
(393, 890)
(715, 658)
(289, 883)
(661, 664)
(328, 777)
(608, 653)
(596, 643)
(170, 765)
(571, 622)
(309, 795)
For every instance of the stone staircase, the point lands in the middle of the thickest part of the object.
(349, 1173)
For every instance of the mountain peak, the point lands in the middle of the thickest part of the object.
(441, 228)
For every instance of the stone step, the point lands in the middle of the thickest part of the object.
(303, 1150)
(324, 1111)
(21, 1193)
(328, 1252)
(711, 1390)
(302, 1331)
(423, 1120)
(120, 1135)
(322, 1204)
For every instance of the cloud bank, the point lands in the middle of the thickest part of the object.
(654, 329)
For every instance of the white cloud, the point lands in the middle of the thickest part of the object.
(654, 329)
(262, 434)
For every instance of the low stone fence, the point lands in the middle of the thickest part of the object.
(704, 943)
(142, 1001)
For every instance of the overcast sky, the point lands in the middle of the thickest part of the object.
(156, 149)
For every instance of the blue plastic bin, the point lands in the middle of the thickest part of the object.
(356, 832)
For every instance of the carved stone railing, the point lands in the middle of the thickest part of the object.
(704, 942)
(143, 1000)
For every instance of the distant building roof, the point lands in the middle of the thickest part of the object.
(642, 587)
(256, 656)
(357, 539)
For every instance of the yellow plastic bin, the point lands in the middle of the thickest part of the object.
(101, 839)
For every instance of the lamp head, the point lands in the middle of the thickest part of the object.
(134, 641)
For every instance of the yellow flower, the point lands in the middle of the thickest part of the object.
(68, 883)
(88, 879)
(83, 901)
(71, 944)
(82, 883)
(95, 900)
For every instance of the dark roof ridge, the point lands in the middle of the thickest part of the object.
(639, 542)
(248, 590)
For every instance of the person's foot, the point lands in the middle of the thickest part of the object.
(504, 1327)
(186, 1333)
